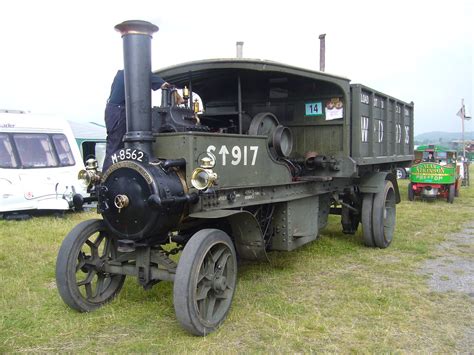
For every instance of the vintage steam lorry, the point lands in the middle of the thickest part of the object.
(275, 150)
(435, 173)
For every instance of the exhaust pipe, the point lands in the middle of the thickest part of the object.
(137, 37)
(322, 52)
(240, 48)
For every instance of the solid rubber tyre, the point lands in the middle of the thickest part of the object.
(73, 260)
(367, 202)
(384, 215)
(205, 281)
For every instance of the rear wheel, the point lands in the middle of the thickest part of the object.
(451, 193)
(205, 281)
(384, 215)
(367, 203)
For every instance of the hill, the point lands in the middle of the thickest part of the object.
(436, 137)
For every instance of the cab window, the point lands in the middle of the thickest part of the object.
(441, 157)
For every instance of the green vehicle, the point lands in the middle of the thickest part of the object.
(434, 173)
(274, 150)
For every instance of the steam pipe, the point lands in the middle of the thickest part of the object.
(137, 37)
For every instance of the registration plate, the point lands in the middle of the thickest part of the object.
(129, 154)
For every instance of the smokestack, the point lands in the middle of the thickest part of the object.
(137, 37)
(240, 46)
(322, 52)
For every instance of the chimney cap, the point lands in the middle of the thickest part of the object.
(136, 27)
(321, 36)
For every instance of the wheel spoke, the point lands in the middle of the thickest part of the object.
(88, 279)
(105, 241)
(81, 258)
(99, 288)
(99, 239)
(202, 292)
(88, 290)
(109, 250)
(215, 257)
(94, 249)
(210, 306)
(202, 275)
(222, 263)
(206, 271)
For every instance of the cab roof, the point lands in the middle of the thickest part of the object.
(196, 70)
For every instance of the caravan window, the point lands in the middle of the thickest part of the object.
(63, 149)
(35, 150)
(7, 158)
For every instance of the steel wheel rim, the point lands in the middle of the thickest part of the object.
(215, 283)
(92, 283)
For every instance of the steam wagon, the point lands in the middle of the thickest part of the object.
(256, 164)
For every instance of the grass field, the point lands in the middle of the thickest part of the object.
(332, 295)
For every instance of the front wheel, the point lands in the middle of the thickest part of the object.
(451, 193)
(411, 193)
(81, 282)
(205, 281)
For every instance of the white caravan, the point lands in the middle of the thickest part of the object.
(39, 163)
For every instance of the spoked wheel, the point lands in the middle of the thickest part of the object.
(81, 282)
(379, 217)
(384, 215)
(205, 281)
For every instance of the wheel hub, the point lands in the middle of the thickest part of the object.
(219, 283)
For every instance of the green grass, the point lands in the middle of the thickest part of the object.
(332, 295)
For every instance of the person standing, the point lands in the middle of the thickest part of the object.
(114, 117)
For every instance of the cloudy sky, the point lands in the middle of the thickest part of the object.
(60, 57)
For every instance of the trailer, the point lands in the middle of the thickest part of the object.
(39, 163)
(257, 164)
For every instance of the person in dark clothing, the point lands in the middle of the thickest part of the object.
(430, 157)
(115, 122)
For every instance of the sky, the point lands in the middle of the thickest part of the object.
(59, 57)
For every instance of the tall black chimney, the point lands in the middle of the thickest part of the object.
(137, 65)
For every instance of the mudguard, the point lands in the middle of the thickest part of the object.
(246, 233)
(374, 182)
